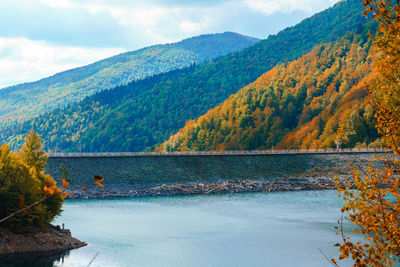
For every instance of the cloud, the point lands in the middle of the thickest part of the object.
(134, 24)
(23, 60)
(98, 27)
(189, 26)
(269, 7)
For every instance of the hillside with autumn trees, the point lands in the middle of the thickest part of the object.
(308, 103)
(144, 113)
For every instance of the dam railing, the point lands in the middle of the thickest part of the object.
(219, 153)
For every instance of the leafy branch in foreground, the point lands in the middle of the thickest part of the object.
(375, 204)
(375, 208)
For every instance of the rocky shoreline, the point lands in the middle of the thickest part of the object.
(202, 188)
(34, 242)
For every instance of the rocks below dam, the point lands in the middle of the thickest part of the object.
(136, 176)
(199, 188)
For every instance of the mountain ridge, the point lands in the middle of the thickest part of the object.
(312, 102)
(70, 86)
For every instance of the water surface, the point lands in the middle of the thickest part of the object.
(258, 229)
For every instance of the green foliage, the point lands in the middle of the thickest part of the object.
(23, 182)
(21, 102)
(143, 113)
(31, 152)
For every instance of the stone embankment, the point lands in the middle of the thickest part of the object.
(204, 168)
(34, 242)
(200, 188)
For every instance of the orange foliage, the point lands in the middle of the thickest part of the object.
(64, 182)
(332, 117)
(375, 205)
(299, 94)
(376, 212)
(98, 179)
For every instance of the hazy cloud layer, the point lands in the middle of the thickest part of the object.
(41, 37)
(23, 60)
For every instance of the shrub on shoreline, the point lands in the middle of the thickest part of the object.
(23, 182)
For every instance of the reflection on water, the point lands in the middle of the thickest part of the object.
(263, 229)
(31, 261)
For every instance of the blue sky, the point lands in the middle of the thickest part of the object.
(39, 38)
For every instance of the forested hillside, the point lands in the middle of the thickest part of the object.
(309, 103)
(20, 102)
(147, 112)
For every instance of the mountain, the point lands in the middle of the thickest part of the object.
(143, 113)
(23, 101)
(308, 103)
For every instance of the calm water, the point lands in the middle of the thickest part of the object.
(263, 229)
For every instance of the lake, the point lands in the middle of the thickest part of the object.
(258, 229)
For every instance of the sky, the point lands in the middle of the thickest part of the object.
(39, 38)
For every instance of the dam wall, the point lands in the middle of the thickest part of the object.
(164, 168)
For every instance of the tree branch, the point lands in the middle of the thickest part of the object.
(24, 209)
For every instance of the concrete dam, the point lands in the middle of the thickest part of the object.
(135, 168)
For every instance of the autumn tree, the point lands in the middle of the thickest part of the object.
(375, 204)
(294, 105)
(28, 196)
(31, 152)
(386, 93)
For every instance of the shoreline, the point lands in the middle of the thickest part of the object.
(201, 188)
(35, 242)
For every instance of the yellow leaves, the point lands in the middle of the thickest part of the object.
(375, 209)
(65, 194)
(48, 190)
(31, 152)
(101, 186)
(98, 179)
(50, 187)
(381, 10)
(37, 192)
(386, 93)
(64, 182)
